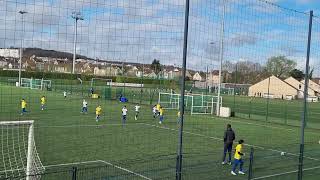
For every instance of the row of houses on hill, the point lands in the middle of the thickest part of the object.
(9, 60)
(289, 88)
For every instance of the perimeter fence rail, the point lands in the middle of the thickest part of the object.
(252, 53)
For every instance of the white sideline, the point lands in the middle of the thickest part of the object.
(101, 161)
(220, 139)
(284, 173)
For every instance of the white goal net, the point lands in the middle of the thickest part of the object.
(172, 101)
(195, 103)
(19, 157)
(205, 104)
(35, 83)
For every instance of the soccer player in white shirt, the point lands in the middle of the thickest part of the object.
(124, 115)
(137, 107)
(155, 111)
(84, 107)
(65, 94)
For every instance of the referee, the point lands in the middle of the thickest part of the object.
(229, 137)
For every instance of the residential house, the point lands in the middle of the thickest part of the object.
(99, 71)
(151, 75)
(197, 77)
(3, 63)
(9, 53)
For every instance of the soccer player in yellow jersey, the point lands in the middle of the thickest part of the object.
(98, 113)
(43, 102)
(158, 106)
(161, 115)
(23, 106)
(238, 158)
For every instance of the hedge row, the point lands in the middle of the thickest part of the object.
(50, 75)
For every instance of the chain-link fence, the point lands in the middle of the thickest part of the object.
(249, 53)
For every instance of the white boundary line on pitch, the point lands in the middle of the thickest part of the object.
(261, 125)
(101, 161)
(87, 125)
(285, 173)
(127, 170)
(255, 124)
(220, 139)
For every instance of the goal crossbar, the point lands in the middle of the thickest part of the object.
(16, 122)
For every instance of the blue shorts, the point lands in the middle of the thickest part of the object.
(161, 118)
(24, 110)
(84, 109)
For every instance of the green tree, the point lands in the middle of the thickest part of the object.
(156, 66)
(297, 74)
(280, 66)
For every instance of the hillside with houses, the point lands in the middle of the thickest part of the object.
(40, 60)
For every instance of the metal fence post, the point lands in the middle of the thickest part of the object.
(250, 173)
(268, 100)
(184, 64)
(305, 95)
(74, 173)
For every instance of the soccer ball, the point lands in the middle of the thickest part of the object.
(282, 153)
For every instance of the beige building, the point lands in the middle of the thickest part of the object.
(314, 86)
(300, 86)
(277, 89)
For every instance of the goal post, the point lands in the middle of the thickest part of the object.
(204, 104)
(35, 83)
(95, 80)
(172, 101)
(17, 161)
(102, 87)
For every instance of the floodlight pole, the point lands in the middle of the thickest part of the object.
(181, 108)
(21, 45)
(305, 96)
(221, 59)
(76, 16)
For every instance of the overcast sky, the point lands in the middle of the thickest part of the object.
(143, 30)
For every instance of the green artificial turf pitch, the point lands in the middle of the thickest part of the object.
(144, 149)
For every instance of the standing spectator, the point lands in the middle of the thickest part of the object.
(228, 138)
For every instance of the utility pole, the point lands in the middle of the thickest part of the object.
(21, 45)
(76, 16)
